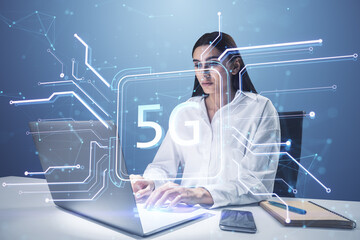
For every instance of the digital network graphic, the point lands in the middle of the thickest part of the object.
(140, 120)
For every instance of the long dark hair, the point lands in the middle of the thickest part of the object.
(222, 43)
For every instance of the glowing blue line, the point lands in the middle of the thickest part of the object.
(45, 32)
(41, 23)
(48, 29)
(47, 15)
(299, 89)
(353, 56)
(55, 82)
(72, 71)
(123, 71)
(286, 153)
(98, 90)
(26, 30)
(27, 16)
(294, 190)
(47, 83)
(72, 130)
(62, 65)
(289, 44)
(88, 190)
(212, 43)
(264, 194)
(91, 99)
(259, 144)
(52, 167)
(5, 184)
(86, 61)
(59, 94)
(55, 119)
(5, 19)
(79, 199)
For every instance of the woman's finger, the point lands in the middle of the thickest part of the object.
(143, 192)
(155, 195)
(166, 196)
(175, 201)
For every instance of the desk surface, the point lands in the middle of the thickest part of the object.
(27, 216)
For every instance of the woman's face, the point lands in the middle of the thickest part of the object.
(213, 72)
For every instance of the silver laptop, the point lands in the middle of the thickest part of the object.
(78, 160)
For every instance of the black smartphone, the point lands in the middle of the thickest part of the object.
(239, 221)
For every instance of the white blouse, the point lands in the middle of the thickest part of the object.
(234, 157)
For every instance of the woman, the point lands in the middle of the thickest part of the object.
(229, 164)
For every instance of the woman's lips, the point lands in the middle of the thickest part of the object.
(206, 83)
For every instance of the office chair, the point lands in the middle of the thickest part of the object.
(291, 130)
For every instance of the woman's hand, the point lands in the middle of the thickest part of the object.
(178, 194)
(142, 187)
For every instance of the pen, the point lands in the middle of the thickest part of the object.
(292, 209)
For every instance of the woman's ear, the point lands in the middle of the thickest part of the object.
(235, 66)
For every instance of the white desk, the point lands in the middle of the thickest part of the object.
(27, 216)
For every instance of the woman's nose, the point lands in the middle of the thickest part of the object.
(205, 74)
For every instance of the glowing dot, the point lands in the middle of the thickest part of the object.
(26, 173)
(4, 184)
(355, 55)
(295, 191)
(328, 190)
(78, 166)
(288, 143)
(45, 34)
(312, 115)
(287, 220)
(62, 75)
(320, 40)
(334, 87)
(219, 13)
(311, 49)
(47, 200)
